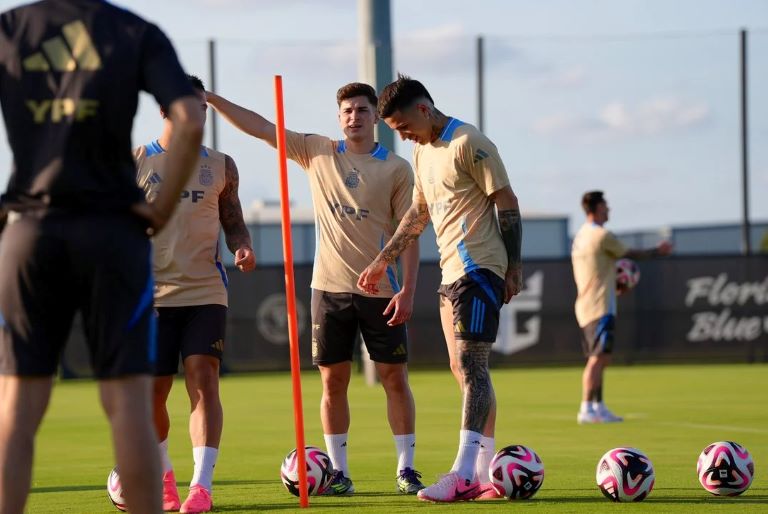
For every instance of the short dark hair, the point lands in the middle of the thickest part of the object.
(400, 95)
(591, 200)
(354, 89)
(196, 83)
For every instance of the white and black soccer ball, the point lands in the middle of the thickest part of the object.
(725, 468)
(627, 274)
(319, 471)
(625, 475)
(115, 490)
(516, 472)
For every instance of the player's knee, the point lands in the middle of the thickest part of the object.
(335, 384)
(394, 379)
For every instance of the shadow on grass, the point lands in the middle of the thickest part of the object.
(249, 507)
(103, 487)
(68, 488)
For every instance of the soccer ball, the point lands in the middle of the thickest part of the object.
(115, 490)
(625, 474)
(516, 472)
(627, 274)
(725, 469)
(319, 471)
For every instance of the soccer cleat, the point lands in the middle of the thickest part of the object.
(487, 492)
(199, 500)
(408, 481)
(450, 488)
(171, 500)
(339, 485)
(607, 416)
(586, 418)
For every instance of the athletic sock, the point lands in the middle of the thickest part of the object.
(336, 444)
(466, 459)
(406, 446)
(164, 457)
(586, 407)
(205, 460)
(484, 457)
(598, 406)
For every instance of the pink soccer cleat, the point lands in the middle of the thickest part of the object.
(487, 492)
(199, 500)
(450, 488)
(171, 501)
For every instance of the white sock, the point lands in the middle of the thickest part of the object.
(586, 406)
(466, 459)
(336, 445)
(406, 446)
(484, 456)
(166, 460)
(205, 460)
(598, 406)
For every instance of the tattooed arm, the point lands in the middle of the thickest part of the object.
(411, 226)
(512, 235)
(479, 397)
(231, 216)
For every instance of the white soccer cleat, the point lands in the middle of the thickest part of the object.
(607, 416)
(587, 418)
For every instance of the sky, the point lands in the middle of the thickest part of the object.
(639, 98)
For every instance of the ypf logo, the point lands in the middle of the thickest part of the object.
(510, 338)
(272, 321)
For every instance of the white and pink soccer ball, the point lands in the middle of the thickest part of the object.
(319, 471)
(725, 469)
(625, 475)
(516, 472)
(115, 490)
(627, 274)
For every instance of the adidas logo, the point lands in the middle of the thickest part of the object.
(480, 154)
(218, 345)
(459, 327)
(73, 51)
(400, 350)
(155, 178)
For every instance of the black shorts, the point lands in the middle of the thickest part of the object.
(597, 336)
(336, 318)
(185, 331)
(53, 266)
(476, 299)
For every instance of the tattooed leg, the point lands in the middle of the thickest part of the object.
(479, 397)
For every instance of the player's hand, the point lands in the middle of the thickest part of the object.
(370, 277)
(664, 248)
(245, 260)
(513, 282)
(402, 305)
(149, 213)
(621, 289)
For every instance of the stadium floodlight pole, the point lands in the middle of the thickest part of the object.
(212, 85)
(290, 293)
(746, 243)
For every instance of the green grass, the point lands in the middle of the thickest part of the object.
(672, 413)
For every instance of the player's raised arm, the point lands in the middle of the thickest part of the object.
(231, 216)
(411, 226)
(244, 119)
(512, 234)
(183, 152)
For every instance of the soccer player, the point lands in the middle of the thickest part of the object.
(460, 179)
(360, 190)
(76, 235)
(593, 255)
(191, 299)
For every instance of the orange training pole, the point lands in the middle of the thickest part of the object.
(290, 294)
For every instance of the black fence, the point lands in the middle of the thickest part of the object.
(703, 309)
